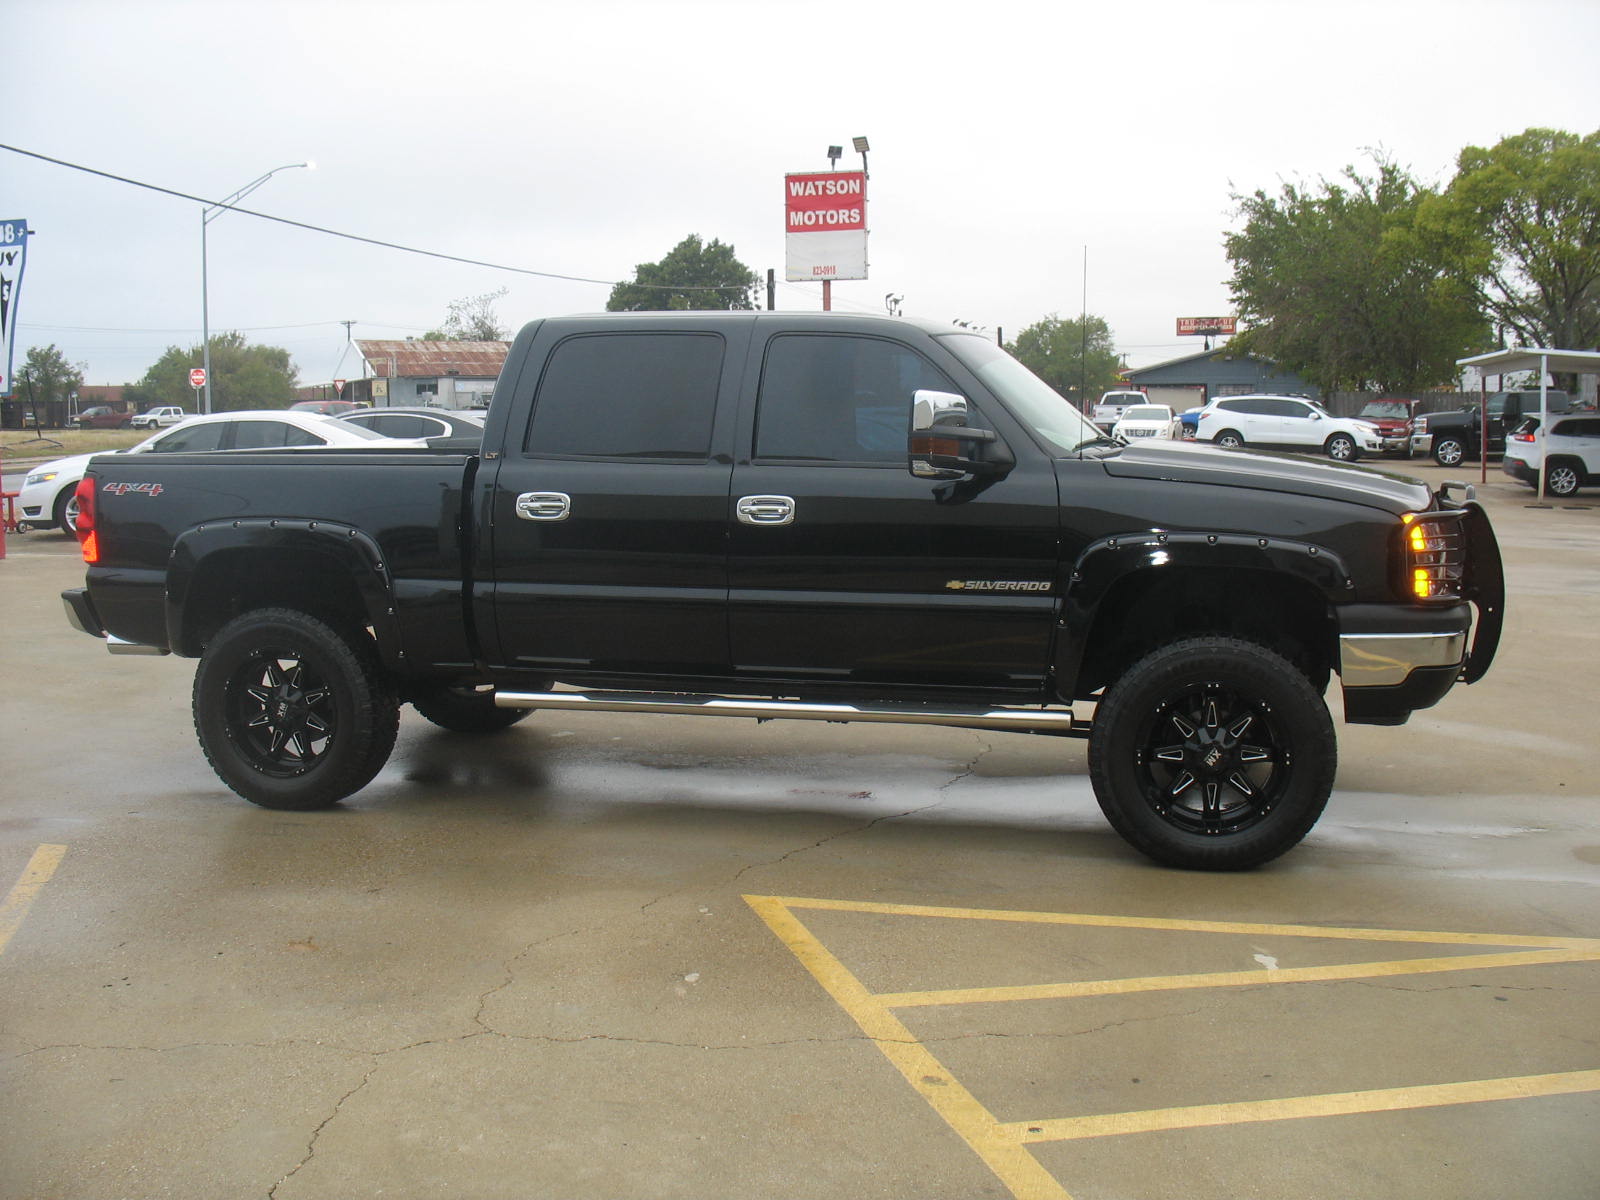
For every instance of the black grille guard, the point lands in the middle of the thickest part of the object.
(1484, 585)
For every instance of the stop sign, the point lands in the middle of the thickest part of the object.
(197, 377)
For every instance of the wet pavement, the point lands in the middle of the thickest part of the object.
(621, 957)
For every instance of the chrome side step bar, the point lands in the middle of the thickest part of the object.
(1001, 720)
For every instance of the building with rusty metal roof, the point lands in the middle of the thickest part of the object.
(415, 371)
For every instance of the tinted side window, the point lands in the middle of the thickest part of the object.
(256, 435)
(1287, 408)
(628, 395)
(196, 437)
(406, 425)
(840, 399)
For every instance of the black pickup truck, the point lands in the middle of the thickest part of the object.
(809, 516)
(1452, 437)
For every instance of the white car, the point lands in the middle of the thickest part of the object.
(47, 495)
(1574, 449)
(160, 418)
(1144, 421)
(1286, 422)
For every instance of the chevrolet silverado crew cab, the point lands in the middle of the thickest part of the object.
(819, 517)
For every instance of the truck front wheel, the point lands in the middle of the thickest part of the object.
(1212, 754)
(1449, 451)
(290, 714)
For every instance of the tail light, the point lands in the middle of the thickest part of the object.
(1434, 554)
(1522, 437)
(84, 498)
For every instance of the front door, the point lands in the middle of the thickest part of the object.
(844, 568)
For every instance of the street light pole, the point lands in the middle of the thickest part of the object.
(207, 215)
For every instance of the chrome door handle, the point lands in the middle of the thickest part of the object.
(544, 506)
(765, 510)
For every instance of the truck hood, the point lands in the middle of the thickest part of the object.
(1192, 462)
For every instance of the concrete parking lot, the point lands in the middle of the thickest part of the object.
(607, 957)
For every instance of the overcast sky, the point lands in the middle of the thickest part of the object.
(1008, 140)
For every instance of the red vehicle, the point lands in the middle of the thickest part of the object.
(101, 417)
(1394, 419)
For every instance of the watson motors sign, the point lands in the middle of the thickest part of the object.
(825, 225)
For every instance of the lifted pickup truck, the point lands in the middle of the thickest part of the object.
(1452, 437)
(806, 516)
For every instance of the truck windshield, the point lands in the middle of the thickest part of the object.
(1030, 399)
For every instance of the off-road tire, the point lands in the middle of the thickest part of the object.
(1246, 728)
(292, 714)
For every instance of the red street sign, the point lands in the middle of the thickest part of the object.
(338, 387)
(197, 377)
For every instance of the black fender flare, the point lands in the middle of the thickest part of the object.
(1108, 562)
(352, 552)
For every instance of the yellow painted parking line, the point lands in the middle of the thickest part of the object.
(1003, 1145)
(1173, 983)
(20, 898)
(974, 1124)
(1295, 1107)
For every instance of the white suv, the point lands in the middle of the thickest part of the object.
(1286, 422)
(1574, 446)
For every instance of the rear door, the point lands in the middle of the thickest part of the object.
(608, 513)
(844, 567)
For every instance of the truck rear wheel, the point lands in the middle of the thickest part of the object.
(465, 710)
(1212, 754)
(290, 714)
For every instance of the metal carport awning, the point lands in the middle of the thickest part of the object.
(1531, 358)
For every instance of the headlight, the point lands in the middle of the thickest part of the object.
(1434, 554)
(41, 477)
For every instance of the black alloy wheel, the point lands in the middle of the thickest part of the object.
(290, 714)
(1212, 753)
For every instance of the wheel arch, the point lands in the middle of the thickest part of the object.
(1127, 596)
(329, 570)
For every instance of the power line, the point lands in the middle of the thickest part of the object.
(356, 237)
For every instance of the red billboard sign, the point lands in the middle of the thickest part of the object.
(1208, 326)
(825, 225)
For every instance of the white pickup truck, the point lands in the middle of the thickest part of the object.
(1109, 411)
(160, 418)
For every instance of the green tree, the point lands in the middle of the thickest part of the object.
(1520, 224)
(242, 376)
(47, 376)
(1335, 282)
(471, 319)
(695, 275)
(1076, 356)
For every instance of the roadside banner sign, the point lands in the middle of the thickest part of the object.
(13, 256)
(197, 377)
(825, 225)
(1207, 326)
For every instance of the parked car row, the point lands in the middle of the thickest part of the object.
(47, 495)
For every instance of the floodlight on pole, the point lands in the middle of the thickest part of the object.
(834, 154)
(861, 148)
(207, 215)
